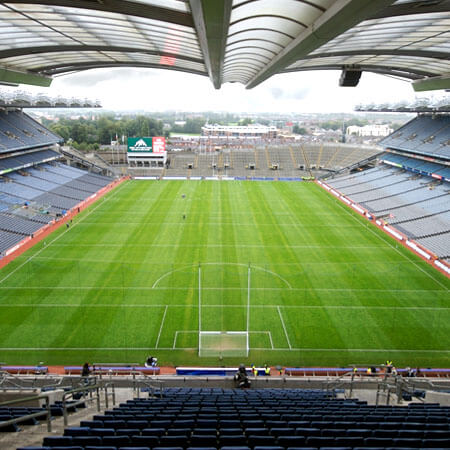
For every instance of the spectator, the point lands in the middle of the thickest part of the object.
(85, 371)
(241, 378)
(151, 361)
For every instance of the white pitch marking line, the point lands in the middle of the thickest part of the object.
(352, 247)
(184, 288)
(284, 328)
(221, 264)
(61, 235)
(269, 333)
(348, 350)
(175, 340)
(175, 305)
(162, 324)
(271, 341)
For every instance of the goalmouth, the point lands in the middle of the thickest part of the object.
(223, 344)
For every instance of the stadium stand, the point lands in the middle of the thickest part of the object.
(19, 131)
(36, 195)
(270, 161)
(258, 419)
(425, 135)
(35, 187)
(406, 190)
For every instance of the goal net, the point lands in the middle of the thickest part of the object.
(223, 343)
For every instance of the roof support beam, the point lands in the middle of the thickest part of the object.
(340, 17)
(126, 7)
(15, 77)
(432, 83)
(211, 21)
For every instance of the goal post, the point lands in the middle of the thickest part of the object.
(223, 344)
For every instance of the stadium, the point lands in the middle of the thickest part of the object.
(322, 267)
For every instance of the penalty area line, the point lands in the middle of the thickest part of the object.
(162, 324)
(347, 350)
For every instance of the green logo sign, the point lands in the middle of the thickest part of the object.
(141, 144)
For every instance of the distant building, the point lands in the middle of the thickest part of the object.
(370, 130)
(240, 131)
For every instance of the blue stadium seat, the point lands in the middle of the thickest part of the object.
(116, 441)
(255, 440)
(103, 432)
(83, 441)
(53, 441)
(77, 431)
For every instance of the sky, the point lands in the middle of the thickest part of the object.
(160, 90)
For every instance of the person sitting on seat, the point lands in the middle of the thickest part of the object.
(241, 378)
(151, 361)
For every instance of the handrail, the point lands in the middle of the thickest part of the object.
(148, 383)
(113, 393)
(89, 388)
(13, 381)
(47, 412)
(333, 384)
(97, 368)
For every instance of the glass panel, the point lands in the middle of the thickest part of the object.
(305, 13)
(268, 23)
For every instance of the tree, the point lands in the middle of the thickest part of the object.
(297, 130)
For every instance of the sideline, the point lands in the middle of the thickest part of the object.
(55, 227)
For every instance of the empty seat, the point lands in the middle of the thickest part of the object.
(291, 441)
(279, 432)
(103, 432)
(87, 440)
(149, 441)
(232, 440)
(320, 441)
(153, 431)
(203, 440)
(255, 440)
(173, 441)
(116, 441)
(53, 441)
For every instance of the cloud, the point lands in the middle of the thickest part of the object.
(159, 90)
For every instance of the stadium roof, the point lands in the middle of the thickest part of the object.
(245, 41)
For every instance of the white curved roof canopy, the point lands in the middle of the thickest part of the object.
(245, 41)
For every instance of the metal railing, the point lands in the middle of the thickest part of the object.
(107, 394)
(152, 384)
(47, 411)
(86, 395)
(341, 383)
(17, 382)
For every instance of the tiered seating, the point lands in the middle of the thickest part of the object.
(19, 132)
(43, 192)
(414, 204)
(16, 162)
(9, 413)
(418, 164)
(426, 135)
(274, 419)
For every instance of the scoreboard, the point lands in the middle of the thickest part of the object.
(146, 151)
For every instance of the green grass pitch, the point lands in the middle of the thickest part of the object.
(326, 287)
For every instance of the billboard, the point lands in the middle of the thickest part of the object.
(146, 145)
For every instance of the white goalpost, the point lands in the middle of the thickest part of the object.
(230, 343)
